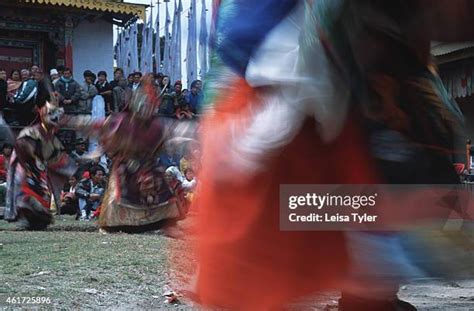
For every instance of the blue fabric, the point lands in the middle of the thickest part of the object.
(168, 161)
(243, 25)
(194, 101)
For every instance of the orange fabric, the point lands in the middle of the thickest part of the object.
(245, 261)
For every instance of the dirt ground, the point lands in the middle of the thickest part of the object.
(79, 268)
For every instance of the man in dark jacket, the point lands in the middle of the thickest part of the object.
(25, 98)
(104, 89)
(69, 92)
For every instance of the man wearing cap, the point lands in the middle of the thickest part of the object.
(54, 75)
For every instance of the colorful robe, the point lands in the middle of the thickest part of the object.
(136, 196)
(34, 178)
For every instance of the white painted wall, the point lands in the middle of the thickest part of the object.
(92, 48)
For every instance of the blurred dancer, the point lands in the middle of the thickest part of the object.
(133, 139)
(304, 84)
(39, 156)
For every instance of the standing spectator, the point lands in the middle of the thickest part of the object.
(130, 80)
(88, 92)
(69, 92)
(69, 201)
(137, 76)
(3, 89)
(158, 78)
(14, 83)
(189, 184)
(24, 99)
(118, 74)
(183, 109)
(90, 192)
(122, 94)
(105, 89)
(44, 88)
(194, 98)
(167, 98)
(54, 75)
(199, 86)
(34, 69)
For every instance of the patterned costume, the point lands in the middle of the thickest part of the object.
(137, 196)
(36, 166)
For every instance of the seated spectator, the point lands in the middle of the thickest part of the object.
(7, 150)
(105, 89)
(169, 158)
(69, 201)
(69, 92)
(90, 192)
(185, 162)
(189, 181)
(174, 180)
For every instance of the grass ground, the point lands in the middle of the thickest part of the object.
(78, 267)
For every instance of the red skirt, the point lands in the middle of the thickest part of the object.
(245, 261)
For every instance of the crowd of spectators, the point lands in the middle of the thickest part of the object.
(23, 88)
(82, 194)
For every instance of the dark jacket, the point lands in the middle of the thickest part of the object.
(86, 187)
(108, 98)
(88, 92)
(68, 90)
